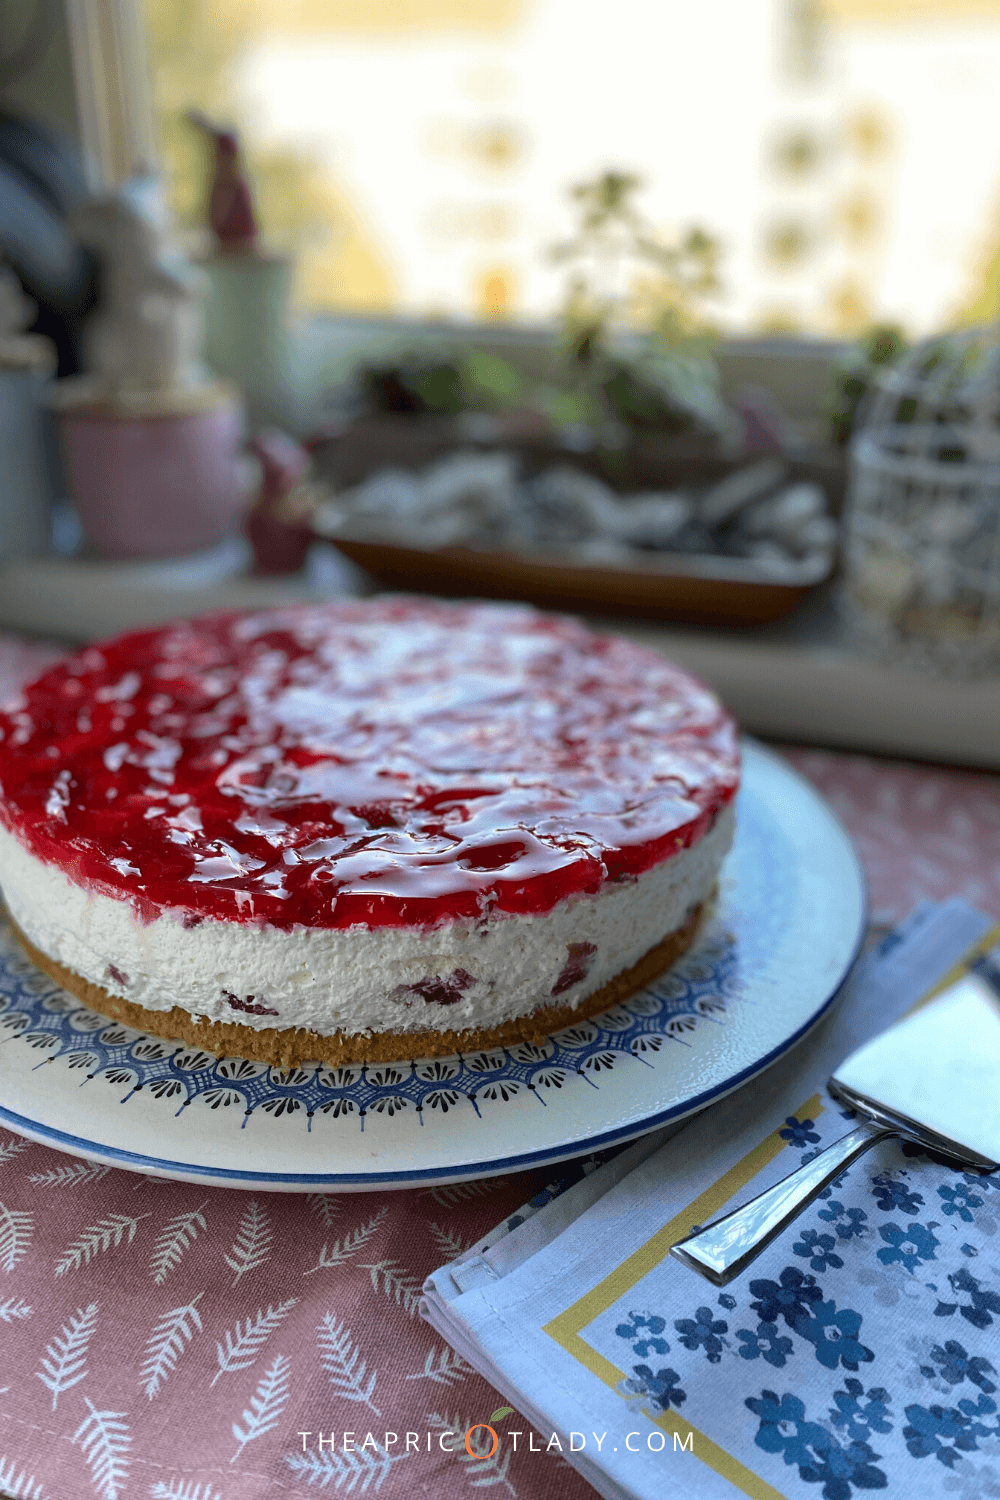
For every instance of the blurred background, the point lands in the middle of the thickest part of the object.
(418, 154)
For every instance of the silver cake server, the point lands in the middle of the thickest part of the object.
(933, 1078)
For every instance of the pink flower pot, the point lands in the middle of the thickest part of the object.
(155, 485)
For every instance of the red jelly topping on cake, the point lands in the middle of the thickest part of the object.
(384, 763)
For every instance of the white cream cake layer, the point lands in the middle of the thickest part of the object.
(358, 980)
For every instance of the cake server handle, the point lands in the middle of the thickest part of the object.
(723, 1249)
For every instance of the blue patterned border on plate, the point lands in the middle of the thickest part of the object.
(39, 1014)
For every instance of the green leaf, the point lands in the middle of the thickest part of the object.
(501, 1411)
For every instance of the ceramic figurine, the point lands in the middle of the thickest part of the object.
(279, 525)
(146, 336)
(152, 443)
(246, 312)
(231, 213)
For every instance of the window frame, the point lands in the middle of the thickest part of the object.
(113, 83)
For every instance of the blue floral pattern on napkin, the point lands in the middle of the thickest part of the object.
(860, 1352)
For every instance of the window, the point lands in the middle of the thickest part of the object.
(417, 154)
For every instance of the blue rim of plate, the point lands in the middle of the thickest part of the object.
(51, 1135)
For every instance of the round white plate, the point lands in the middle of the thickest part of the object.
(788, 923)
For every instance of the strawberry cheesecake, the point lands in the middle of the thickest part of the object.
(362, 831)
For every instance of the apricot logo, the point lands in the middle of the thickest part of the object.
(496, 1416)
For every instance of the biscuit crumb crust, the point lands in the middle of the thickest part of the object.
(289, 1046)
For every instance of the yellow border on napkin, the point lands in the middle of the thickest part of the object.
(565, 1327)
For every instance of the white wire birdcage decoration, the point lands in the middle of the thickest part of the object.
(922, 526)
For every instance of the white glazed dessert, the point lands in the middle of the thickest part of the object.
(323, 980)
(368, 830)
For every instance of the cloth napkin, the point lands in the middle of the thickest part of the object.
(860, 1352)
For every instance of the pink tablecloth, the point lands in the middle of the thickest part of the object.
(176, 1342)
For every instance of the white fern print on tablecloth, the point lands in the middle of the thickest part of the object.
(242, 1345)
(449, 1242)
(343, 1363)
(16, 1227)
(96, 1238)
(481, 1472)
(64, 1360)
(390, 1277)
(444, 1367)
(174, 1238)
(461, 1192)
(171, 1336)
(105, 1439)
(266, 1404)
(351, 1243)
(14, 1309)
(18, 1483)
(183, 1489)
(71, 1174)
(12, 1146)
(325, 1206)
(361, 1469)
(252, 1246)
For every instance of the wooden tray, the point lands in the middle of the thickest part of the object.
(670, 590)
(707, 590)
